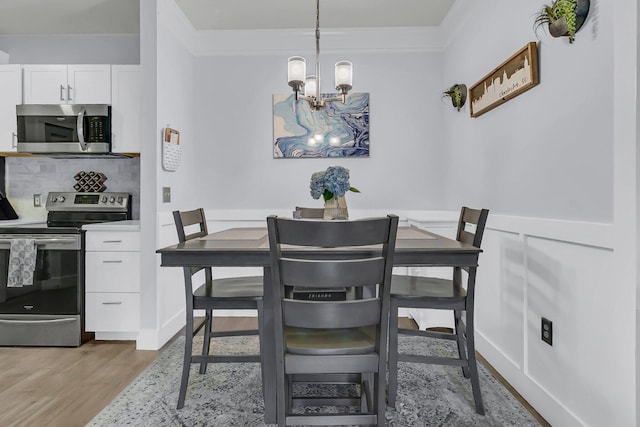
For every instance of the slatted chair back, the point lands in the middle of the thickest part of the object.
(477, 218)
(187, 219)
(317, 337)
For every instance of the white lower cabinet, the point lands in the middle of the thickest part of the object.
(112, 284)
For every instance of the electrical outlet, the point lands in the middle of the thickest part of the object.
(547, 331)
(37, 200)
(166, 194)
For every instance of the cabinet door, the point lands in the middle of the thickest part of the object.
(112, 272)
(125, 108)
(112, 312)
(45, 84)
(89, 84)
(10, 96)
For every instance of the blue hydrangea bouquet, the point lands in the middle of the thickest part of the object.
(333, 182)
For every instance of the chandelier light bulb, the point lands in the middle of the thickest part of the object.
(310, 86)
(296, 70)
(344, 75)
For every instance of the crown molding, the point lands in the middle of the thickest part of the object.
(298, 41)
(256, 42)
(301, 41)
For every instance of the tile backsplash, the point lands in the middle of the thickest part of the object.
(26, 176)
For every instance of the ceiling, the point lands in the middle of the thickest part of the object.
(123, 16)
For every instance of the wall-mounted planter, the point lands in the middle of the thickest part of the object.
(458, 95)
(564, 17)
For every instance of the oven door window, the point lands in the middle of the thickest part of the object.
(55, 288)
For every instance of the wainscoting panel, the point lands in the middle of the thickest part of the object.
(569, 284)
(500, 294)
(530, 268)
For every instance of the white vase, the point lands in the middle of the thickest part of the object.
(336, 208)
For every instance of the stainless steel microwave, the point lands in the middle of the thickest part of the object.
(64, 129)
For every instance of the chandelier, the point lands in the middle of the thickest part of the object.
(297, 69)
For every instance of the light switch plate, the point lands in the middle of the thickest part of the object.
(166, 194)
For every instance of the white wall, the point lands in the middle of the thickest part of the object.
(543, 163)
(72, 49)
(547, 152)
(175, 108)
(167, 101)
(234, 132)
(149, 143)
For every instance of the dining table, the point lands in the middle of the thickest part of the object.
(249, 247)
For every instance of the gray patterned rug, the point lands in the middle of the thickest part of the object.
(229, 395)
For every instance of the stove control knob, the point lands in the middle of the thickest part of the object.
(112, 199)
(61, 199)
(54, 199)
(104, 199)
(120, 199)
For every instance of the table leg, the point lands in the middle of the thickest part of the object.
(269, 356)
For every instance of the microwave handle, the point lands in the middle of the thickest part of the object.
(80, 126)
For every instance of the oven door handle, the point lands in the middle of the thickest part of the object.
(45, 241)
(65, 320)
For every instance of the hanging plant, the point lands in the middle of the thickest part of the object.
(458, 95)
(563, 17)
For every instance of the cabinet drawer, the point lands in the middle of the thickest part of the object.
(113, 241)
(112, 312)
(112, 272)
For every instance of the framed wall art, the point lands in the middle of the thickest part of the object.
(338, 130)
(514, 76)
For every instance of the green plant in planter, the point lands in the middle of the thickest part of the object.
(458, 95)
(564, 17)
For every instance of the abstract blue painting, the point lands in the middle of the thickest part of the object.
(338, 130)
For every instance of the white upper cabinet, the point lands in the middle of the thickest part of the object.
(10, 96)
(67, 84)
(125, 108)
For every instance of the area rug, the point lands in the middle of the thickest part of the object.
(230, 395)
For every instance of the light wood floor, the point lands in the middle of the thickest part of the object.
(67, 387)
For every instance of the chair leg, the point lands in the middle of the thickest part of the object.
(379, 398)
(186, 363)
(368, 396)
(393, 354)
(473, 366)
(261, 343)
(282, 393)
(207, 339)
(460, 334)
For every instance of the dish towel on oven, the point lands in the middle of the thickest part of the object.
(22, 263)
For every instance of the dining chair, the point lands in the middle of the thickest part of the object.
(441, 294)
(322, 341)
(236, 293)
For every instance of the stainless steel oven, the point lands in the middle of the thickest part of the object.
(47, 309)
